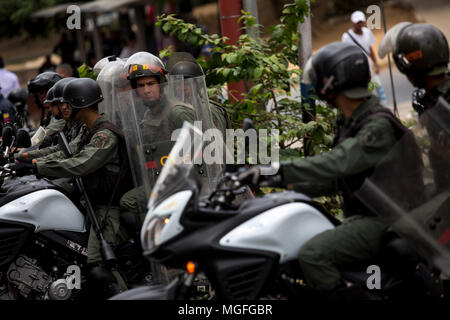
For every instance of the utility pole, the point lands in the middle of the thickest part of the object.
(252, 7)
(230, 11)
(304, 53)
(389, 63)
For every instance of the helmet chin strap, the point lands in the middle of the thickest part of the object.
(419, 79)
(74, 113)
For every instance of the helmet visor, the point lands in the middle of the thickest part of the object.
(389, 40)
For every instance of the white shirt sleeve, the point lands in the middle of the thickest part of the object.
(346, 38)
(16, 82)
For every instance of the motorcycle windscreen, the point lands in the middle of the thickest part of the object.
(108, 80)
(410, 188)
(193, 91)
(178, 173)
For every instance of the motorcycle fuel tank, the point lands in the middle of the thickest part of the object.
(283, 229)
(45, 209)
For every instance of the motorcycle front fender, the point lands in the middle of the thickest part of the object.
(156, 292)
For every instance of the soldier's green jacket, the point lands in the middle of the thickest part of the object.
(48, 152)
(220, 117)
(102, 150)
(171, 114)
(317, 175)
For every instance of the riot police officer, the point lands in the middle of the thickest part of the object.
(157, 115)
(38, 87)
(421, 52)
(73, 129)
(18, 98)
(101, 162)
(189, 68)
(366, 132)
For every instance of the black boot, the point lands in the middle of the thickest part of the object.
(102, 283)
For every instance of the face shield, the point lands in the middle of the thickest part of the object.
(107, 80)
(309, 76)
(193, 92)
(387, 44)
(98, 67)
(148, 117)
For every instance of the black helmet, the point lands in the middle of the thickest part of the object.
(50, 96)
(144, 64)
(188, 69)
(421, 49)
(178, 57)
(338, 67)
(58, 89)
(18, 96)
(43, 82)
(81, 93)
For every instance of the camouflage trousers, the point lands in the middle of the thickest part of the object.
(358, 238)
(113, 234)
(135, 201)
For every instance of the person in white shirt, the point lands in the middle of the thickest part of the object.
(362, 37)
(8, 80)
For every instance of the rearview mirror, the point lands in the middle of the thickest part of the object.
(23, 139)
(7, 136)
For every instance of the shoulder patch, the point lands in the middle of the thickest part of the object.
(369, 138)
(100, 139)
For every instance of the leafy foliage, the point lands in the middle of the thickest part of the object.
(270, 66)
(84, 71)
(16, 15)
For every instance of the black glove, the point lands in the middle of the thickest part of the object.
(3, 160)
(23, 168)
(24, 160)
(252, 176)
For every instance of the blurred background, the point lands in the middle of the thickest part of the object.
(34, 36)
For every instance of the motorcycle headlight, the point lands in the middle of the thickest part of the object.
(153, 232)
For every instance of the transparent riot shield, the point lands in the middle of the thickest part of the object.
(151, 121)
(151, 118)
(410, 188)
(108, 80)
(192, 91)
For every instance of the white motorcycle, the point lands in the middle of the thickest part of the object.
(44, 233)
(245, 252)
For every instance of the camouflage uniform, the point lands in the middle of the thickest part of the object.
(73, 131)
(100, 153)
(52, 129)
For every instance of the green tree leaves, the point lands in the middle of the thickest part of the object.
(16, 15)
(269, 66)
